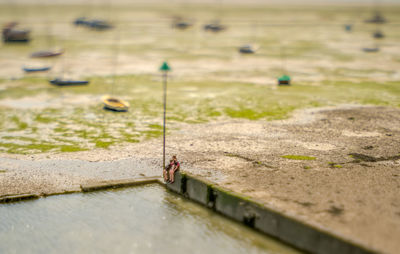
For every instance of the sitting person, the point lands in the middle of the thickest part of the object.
(169, 171)
(166, 171)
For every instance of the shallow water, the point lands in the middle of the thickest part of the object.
(144, 219)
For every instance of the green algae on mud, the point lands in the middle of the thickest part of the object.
(193, 98)
(86, 125)
(298, 157)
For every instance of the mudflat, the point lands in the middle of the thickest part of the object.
(325, 149)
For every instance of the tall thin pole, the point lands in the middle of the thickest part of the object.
(165, 111)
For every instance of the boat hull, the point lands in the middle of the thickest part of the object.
(246, 50)
(114, 104)
(59, 82)
(43, 54)
(284, 82)
(370, 50)
(10, 34)
(36, 69)
(106, 107)
(214, 27)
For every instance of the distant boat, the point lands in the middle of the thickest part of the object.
(61, 82)
(214, 27)
(284, 80)
(27, 69)
(97, 24)
(10, 34)
(377, 19)
(247, 49)
(100, 24)
(47, 53)
(181, 23)
(378, 34)
(371, 50)
(348, 27)
(80, 21)
(115, 104)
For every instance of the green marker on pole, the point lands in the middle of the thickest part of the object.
(165, 69)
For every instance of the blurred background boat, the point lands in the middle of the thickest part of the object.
(115, 104)
(64, 82)
(47, 53)
(36, 69)
(11, 34)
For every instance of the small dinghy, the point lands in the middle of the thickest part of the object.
(47, 53)
(97, 24)
(180, 23)
(214, 27)
(247, 49)
(61, 82)
(11, 34)
(377, 19)
(348, 27)
(115, 104)
(284, 80)
(378, 34)
(33, 69)
(80, 21)
(371, 50)
(100, 24)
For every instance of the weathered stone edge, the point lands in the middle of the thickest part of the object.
(266, 219)
(95, 186)
(112, 184)
(18, 197)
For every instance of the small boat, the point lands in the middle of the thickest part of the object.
(377, 19)
(47, 53)
(61, 82)
(371, 50)
(348, 27)
(214, 27)
(378, 34)
(247, 49)
(181, 23)
(115, 104)
(40, 69)
(10, 34)
(284, 80)
(97, 24)
(80, 21)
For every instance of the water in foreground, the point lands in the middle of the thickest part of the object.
(135, 220)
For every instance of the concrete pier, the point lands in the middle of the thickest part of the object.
(268, 220)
